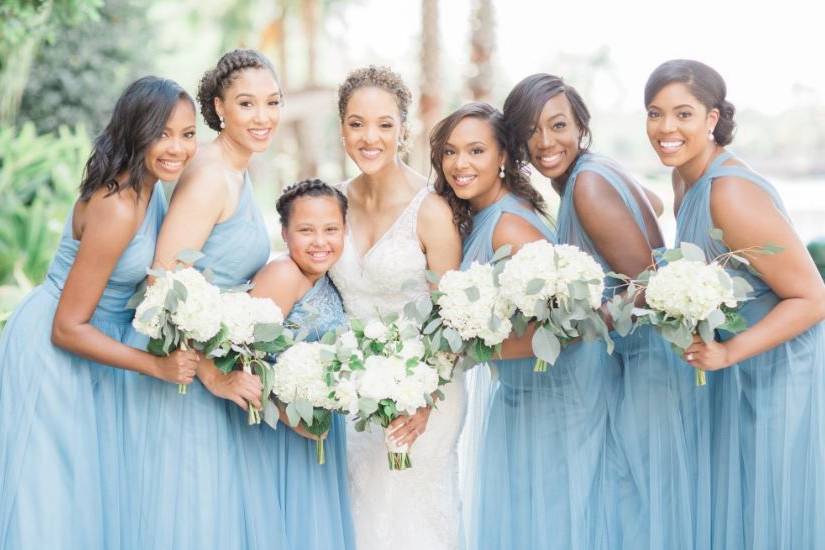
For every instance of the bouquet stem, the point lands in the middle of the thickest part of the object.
(541, 366)
(398, 456)
(182, 387)
(319, 451)
(254, 416)
(701, 378)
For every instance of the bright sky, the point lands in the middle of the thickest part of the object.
(763, 50)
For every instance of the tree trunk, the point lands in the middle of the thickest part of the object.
(430, 103)
(482, 43)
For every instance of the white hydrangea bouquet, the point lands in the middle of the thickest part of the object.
(382, 370)
(302, 383)
(688, 295)
(559, 287)
(252, 328)
(466, 316)
(180, 310)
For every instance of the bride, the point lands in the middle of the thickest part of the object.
(397, 229)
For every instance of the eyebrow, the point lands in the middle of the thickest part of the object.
(244, 94)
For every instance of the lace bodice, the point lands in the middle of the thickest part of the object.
(377, 283)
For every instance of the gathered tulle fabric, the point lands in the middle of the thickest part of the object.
(314, 497)
(657, 486)
(193, 484)
(537, 480)
(768, 412)
(418, 507)
(61, 448)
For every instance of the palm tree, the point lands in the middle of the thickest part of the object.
(430, 85)
(482, 44)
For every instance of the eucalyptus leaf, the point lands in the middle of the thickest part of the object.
(292, 414)
(149, 314)
(453, 339)
(189, 256)
(432, 277)
(503, 252)
(519, 324)
(715, 319)
(367, 406)
(546, 346)
(472, 293)
(432, 325)
(138, 296)
(534, 286)
(692, 252)
(266, 332)
(770, 249)
(328, 338)
(716, 234)
(305, 410)
(424, 306)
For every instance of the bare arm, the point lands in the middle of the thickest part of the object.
(655, 201)
(110, 225)
(791, 274)
(439, 236)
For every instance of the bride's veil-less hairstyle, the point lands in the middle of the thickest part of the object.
(138, 120)
(516, 181)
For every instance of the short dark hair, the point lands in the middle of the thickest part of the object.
(216, 80)
(704, 83)
(515, 180)
(308, 188)
(137, 121)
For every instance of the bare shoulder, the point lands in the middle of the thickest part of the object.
(591, 186)
(434, 209)
(514, 230)
(204, 177)
(281, 276)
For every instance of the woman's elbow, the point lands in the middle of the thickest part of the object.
(61, 333)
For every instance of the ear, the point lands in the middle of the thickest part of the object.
(218, 102)
(502, 158)
(713, 117)
(283, 233)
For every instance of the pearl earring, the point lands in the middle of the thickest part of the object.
(710, 134)
(223, 124)
(501, 171)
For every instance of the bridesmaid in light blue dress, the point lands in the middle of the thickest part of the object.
(767, 383)
(656, 480)
(530, 478)
(314, 497)
(196, 484)
(64, 350)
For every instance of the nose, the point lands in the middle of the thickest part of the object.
(545, 138)
(260, 114)
(668, 123)
(461, 160)
(175, 146)
(371, 133)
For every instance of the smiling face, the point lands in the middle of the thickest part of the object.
(372, 129)
(678, 126)
(314, 234)
(167, 157)
(251, 109)
(471, 161)
(554, 144)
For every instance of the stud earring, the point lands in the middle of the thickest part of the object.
(501, 171)
(710, 134)
(223, 124)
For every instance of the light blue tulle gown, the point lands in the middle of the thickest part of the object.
(195, 486)
(61, 452)
(542, 454)
(768, 412)
(657, 490)
(314, 497)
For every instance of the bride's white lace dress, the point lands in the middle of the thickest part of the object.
(417, 508)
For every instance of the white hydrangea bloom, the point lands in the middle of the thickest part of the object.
(690, 289)
(412, 390)
(199, 314)
(443, 362)
(240, 312)
(299, 376)
(471, 317)
(376, 330)
(155, 298)
(380, 377)
(412, 349)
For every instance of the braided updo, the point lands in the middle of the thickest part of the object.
(308, 188)
(215, 81)
(704, 83)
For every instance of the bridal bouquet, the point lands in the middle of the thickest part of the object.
(690, 296)
(559, 287)
(251, 329)
(381, 371)
(301, 381)
(179, 310)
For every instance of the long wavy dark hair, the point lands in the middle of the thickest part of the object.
(515, 181)
(137, 121)
(523, 107)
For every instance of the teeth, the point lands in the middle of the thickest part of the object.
(671, 144)
(319, 255)
(171, 164)
(464, 180)
(259, 133)
(371, 153)
(549, 160)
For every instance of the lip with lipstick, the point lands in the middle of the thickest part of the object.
(260, 134)
(462, 181)
(370, 153)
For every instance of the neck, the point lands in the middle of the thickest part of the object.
(492, 196)
(692, 170)
(380, 185)
(235, 156)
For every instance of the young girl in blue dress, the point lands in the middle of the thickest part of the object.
(65, 350)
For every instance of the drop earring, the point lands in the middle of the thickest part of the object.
(223, 124)
(710, 134)
(501, 171)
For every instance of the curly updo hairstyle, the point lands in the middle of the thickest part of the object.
(516, 181)
(138, 120)
(308, 188)
(215, 81)
(383, 78)
(704, 83)
(523, 107)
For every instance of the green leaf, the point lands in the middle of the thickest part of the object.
(715, 319)
(519, 324)
(672, 254)
(432, 325)
(367, 406)
(410, 285)
(267, 332)
(534, 286)
(734, 322)
(716, 234)
(741, 288)
(692, 252)
(503, 252)
(189, 256)
(329, 338)
(453, 339)
(227, 362)
(149, 314)
(410, 311)
(305, 410)
(546, 345)
(494, 322)
(180, 290)
(770, 249)
(138, 296)
(424, 306)
(292, 414)
(706, 331)
(155, 347)
(472, 293)
(432, 277)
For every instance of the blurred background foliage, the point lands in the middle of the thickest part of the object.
(63, 63)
